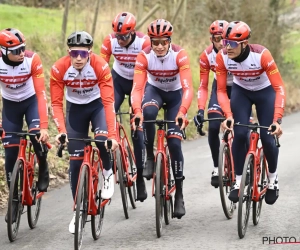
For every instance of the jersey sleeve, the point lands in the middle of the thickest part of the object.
(204, 77)
(105, 51)
(39, 86)
(270, 67)
(183, 63)
(105, 84)
(139, 81)
(57, 94)
(221, 74)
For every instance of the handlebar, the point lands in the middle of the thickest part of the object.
(24, 134)
(255, 126)
(88, 141)
(162, 123)
(201, 121)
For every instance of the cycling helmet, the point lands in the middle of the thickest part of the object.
(160, 28)
(11, 37)
(124, 23)
(216, 28)
(80, 39)
(237, 31)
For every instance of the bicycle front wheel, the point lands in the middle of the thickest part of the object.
(245, 197)
(225, 179)
(168, 204)
(33, 211)
(159, 197)
(15, 207)
(261, 183)
(81, 207)
(122, 183)
(97, 220)
(132, 171)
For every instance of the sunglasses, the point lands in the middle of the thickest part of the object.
(232, 44)
(123, 37)
(81, 53)
(216, 39)
(17, 51)
(163, 42)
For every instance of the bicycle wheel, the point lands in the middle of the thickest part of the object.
(245, 196)
(15, 207)
(261, 183)
(97, 220)
(33, 211)
(168, 204)
(122, 182)
(81, 207)
(225, 180)
(159, 198)
(132, 171)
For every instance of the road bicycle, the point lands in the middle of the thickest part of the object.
(23, 189)
(225, 165)
(125, 166)
(88, 199)
(254, 181)
(163, 185)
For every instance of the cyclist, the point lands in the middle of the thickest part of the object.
(256, 81)
(169, 81)
(207, 62)
(124, 44)
(23, 94)
(89, 98)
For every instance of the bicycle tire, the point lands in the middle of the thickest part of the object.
(97, 220)
(81, 207)
(168, 204)
(132, 171)
(15, 199)
(122, 182)
(32, 217)
(158, 195)
(243, 223)
(258, 205)
(225, 180)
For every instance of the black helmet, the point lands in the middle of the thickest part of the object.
(80, 39)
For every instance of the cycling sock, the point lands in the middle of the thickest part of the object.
(107, 173)
(238, 179)
(272, 176)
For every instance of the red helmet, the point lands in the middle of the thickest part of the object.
(160, 28)
(237, 31)
(216, 28)
(11, 38)
(124, 23)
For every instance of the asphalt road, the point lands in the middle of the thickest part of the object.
(203, 227)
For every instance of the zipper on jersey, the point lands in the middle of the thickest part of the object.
(162, 64)
(79, 74)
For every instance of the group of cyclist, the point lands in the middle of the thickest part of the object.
(153, 71)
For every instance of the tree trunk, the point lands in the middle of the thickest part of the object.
(95, 17)
(64, 24)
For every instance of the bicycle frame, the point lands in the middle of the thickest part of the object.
(28, 198)
(122, 137)
(91, 158)
(161, 149)
(228, 139)
(256, 152)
